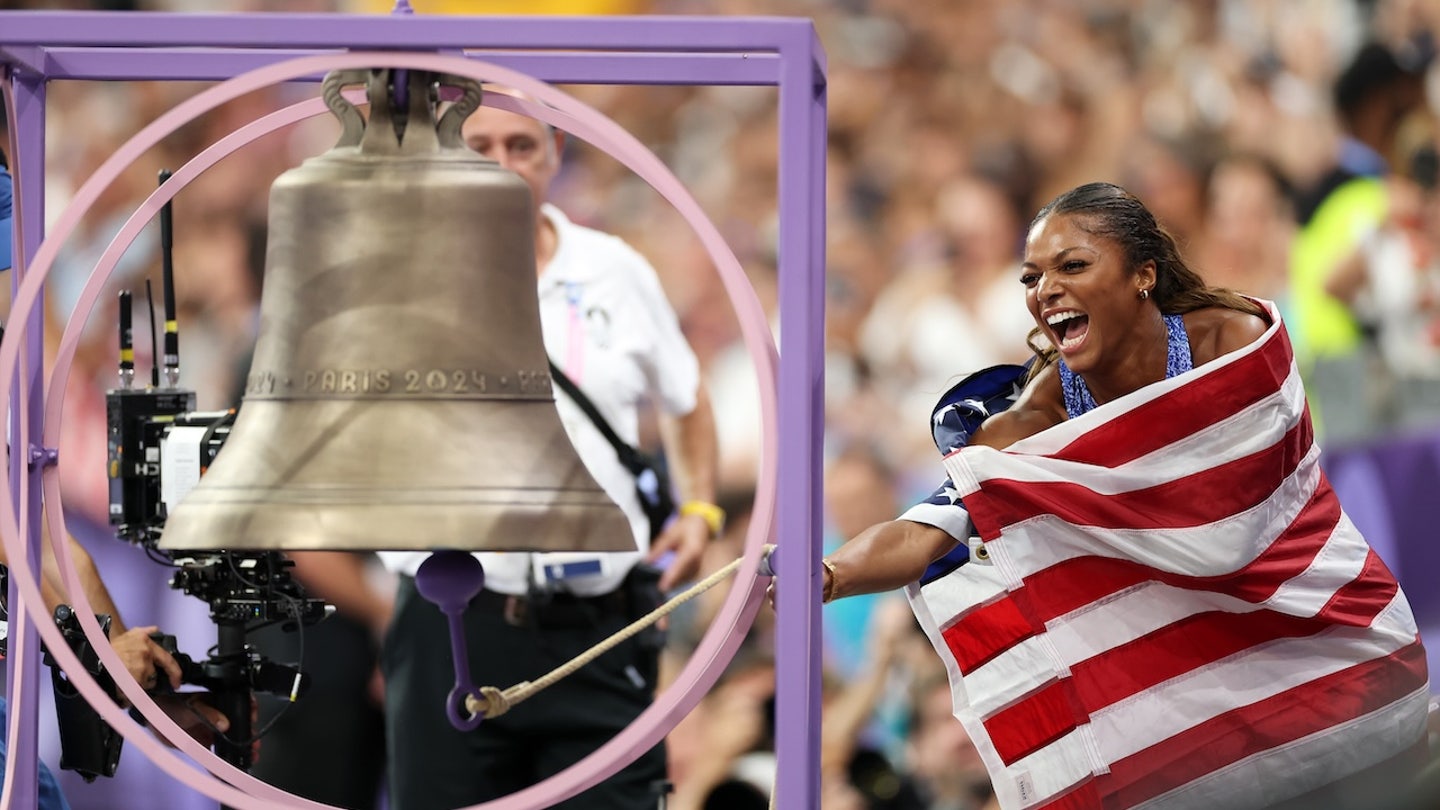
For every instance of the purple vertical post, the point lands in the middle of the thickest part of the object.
(29, 164)
(801, 423)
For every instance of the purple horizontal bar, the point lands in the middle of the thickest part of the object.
(409, 32)
(126, 64)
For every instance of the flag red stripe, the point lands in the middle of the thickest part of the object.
(985, 632)
(1177, 648)
(1198, 640)
(1074, 583)
(1362, 598)
(1203, 497)
(1040, 719)
(1128, 669)
(1307, 709)
(1185, 410)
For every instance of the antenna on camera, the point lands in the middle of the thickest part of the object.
(167, 286)
(154, 337)
(127, 344)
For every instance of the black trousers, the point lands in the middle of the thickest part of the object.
(328, 746)
(434, 766)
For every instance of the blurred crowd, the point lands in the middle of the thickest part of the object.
(1244, 124)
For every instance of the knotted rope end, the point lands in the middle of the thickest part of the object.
(492, 701)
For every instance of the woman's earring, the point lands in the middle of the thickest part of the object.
(1144, 295)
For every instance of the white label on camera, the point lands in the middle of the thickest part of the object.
(179, 463)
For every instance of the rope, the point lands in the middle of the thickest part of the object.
(494, 702)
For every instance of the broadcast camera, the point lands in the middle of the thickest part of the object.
(158, 447)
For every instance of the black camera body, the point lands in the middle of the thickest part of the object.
(159, 446)
(147, 467)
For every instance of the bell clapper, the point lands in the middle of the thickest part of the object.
(450, 579)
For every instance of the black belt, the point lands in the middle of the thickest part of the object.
(553, 610)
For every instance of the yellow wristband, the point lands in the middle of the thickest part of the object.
(713, 515)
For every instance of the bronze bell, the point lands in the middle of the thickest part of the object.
(399, 396)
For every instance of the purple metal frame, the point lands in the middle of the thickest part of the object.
(36, 47)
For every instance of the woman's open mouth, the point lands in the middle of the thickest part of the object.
(1068, 328)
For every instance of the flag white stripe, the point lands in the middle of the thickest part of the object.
(1151, 717)
(1250, 431)
(1051, 770)
(974, 583)
(1241, 434)
(1305, 764)
(1047, 771)
(949, 518)
(927, 621)
(1021, 670)
(1006, 790)
(1138, 610)
(1256, 781)
(1252, 675)
(1132, 614)
(1286, 770)
(1033, 545)
(1108, 623)
(1337, 564)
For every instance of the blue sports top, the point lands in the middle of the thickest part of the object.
(1177, 361)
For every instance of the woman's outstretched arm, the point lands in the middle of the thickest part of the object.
(884, 557)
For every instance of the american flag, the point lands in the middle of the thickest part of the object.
(1166, 605)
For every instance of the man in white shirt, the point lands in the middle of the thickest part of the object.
(609, 327)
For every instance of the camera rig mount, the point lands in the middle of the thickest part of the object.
(158, 447)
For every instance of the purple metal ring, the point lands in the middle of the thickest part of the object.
(719, 643)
